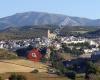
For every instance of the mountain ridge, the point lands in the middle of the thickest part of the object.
(42, 18)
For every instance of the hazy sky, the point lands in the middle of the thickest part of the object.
(81, 8)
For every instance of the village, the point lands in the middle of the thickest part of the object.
(47, 39)
(47, 51)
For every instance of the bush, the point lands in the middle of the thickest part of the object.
(6, 54)
(20, 77)
(17, 77)
(71, 74)
(1, 78)
(35, 71)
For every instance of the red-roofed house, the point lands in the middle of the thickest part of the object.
(34, 55)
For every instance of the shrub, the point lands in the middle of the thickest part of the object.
(1, 78)
(6, 54)
(71, 74)
(17, 77)
(35, 71)
(20, 77)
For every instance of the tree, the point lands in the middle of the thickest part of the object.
(62, 69)
(65, 48)
(44, 60)
(99, 46)
(91, 69)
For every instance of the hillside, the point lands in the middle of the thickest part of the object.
(25, 32)
(93, 34)
(29, 31)
(41, 18)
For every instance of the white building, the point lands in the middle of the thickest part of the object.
(69, 40)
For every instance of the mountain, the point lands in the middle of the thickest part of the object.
(40, 18)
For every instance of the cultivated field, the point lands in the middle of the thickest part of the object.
(21, 65)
